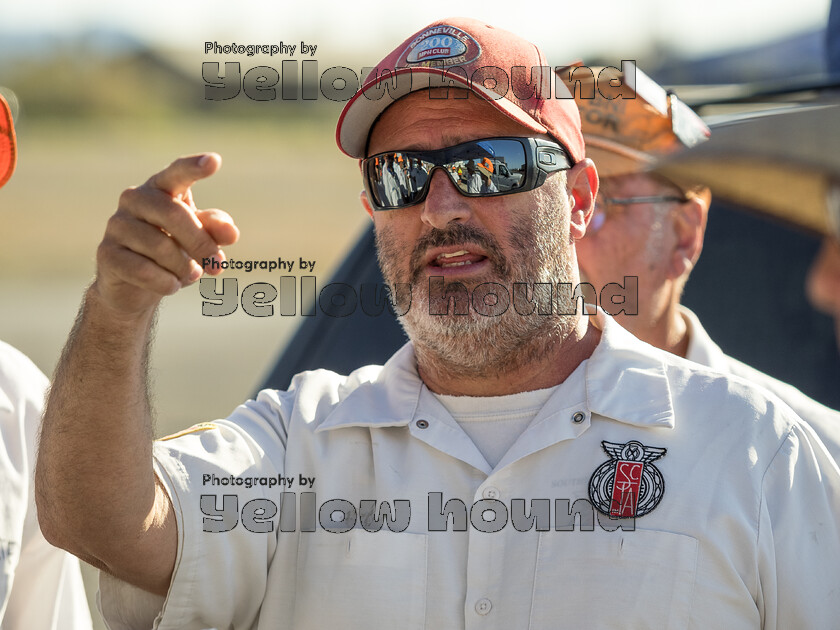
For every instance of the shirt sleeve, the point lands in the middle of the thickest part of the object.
(13, 491)
(799, 535)
(223, 479)
(47, 591)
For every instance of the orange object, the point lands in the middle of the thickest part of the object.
(633, 131)
(8, 147)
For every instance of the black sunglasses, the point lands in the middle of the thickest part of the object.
(479, 168)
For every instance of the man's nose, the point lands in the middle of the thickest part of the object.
(444, 203)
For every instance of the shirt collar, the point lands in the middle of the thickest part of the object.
(701, 348)
(388, 399)
(626, 380)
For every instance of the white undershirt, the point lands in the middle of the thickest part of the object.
(494, 423)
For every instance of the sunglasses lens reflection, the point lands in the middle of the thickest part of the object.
(397, 179)
(488, 167)
(482, 168)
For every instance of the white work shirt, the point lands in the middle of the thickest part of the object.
(40, 586)
(702, 350)
(745, 533)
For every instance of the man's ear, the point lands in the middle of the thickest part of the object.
(363, 198)
(689, 229)
(582, 185)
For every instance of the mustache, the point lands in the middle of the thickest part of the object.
(457, 234)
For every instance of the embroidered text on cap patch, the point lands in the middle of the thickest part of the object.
(442, 45)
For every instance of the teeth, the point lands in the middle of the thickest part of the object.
(452, 255)
(456, 264)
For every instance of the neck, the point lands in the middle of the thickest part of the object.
(667, 329)
(544, 363)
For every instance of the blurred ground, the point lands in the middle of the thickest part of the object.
(287, 186)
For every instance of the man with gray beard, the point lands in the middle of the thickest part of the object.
(458, 485)
(472, 342)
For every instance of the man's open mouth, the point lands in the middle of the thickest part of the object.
(459, 258)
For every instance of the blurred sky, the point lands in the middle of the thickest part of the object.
(564, 29)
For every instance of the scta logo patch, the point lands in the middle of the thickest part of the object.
(628, 484)
(441, 45)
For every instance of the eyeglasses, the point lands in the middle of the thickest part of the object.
(626, 201)
(602, 203)
(480, 168)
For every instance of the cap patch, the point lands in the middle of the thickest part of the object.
(440, 45)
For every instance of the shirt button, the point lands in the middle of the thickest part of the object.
(491, 493)
(483, 606)
(578, 417)
(422, 424)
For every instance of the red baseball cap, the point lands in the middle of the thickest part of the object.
(8, 152)
(509, 72)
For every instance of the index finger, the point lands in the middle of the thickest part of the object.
(177, 178)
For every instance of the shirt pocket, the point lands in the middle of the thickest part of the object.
(599, 579)
(361, 579)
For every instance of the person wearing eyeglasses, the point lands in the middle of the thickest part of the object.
(650, 227)
(40, 585)
(517, 464)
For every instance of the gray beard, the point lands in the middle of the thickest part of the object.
(478, 345)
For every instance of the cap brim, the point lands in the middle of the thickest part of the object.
(779, 162)
(787, 192)
(362, 111)
(613, 158)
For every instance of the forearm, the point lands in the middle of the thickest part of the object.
(95, 484)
